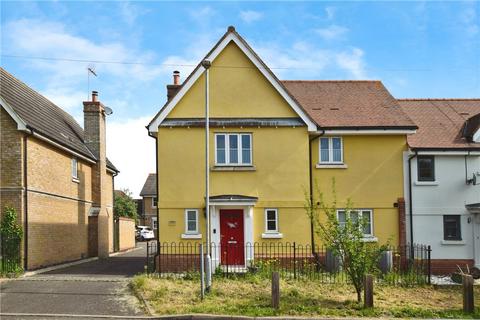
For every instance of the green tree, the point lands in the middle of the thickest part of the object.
(124, 205)
(345, 240)
(9, 228)
(11, 234)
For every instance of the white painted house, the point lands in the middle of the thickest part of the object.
(442, 180)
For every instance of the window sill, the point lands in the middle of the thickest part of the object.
(275, 235)
(331, 166)
(75, 180)
(453, 242)
(370, 239)
(233, 168)
(191, 236)
(426, 183)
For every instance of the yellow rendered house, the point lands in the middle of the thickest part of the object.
(270, 142)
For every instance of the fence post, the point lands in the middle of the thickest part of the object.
(429, 259)
(202, 273)
(294, 260)
(468, 303)
(148, 258)
(275, 290)
(368, 291)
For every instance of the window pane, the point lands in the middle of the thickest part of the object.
(192, 226)
(367, 227)
(354, 216)
(246, 149)
(337, 149)
(220, 149)
(271, 215)
(271, 225)
(74, 168)
(324, 145)
(191, 215)
(451, 227)
(233, 144)
(426, 168)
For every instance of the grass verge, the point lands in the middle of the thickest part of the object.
(250, 296)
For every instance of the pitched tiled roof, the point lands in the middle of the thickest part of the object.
(43, 116)
(150, 186)
(349, 104)
(441, 122)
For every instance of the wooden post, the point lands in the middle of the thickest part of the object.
(275, 290)
(368, 291)
(468, 304)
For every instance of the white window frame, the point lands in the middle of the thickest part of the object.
(154, 222)
(276, 220)
(153, 203)
(330, 150)
(370, 211)
(239, 149)
(186, 221)
(74, 173)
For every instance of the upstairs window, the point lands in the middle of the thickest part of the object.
(451, 228)
(271, 221)
(366, 216)
(426, 168)
(233, 149)
(74, 169)
(154, 202)
(331, 150)
(191, 221)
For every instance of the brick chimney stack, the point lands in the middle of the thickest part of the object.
(95, 139)
(173, 88)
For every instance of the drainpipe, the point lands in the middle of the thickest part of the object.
(25, 203)
(310, 176)
(410, 200)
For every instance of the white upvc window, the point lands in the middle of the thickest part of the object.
(365, 214)
(74, 169)
(233, 149)
(330, 150)
(191, 221)
(271, 221)
(154, 202)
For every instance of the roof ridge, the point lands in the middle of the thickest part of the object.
(355, 81)
(438, 99)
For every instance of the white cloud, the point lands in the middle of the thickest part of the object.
(132, 151)
(470, 21)
(250, 16)
(202, 14)
(352, 61)
(330, 11)
(130, 12)
(331, 32)
(303, 60)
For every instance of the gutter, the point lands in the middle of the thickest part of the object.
(25, 199)
(158, 193)
(410, 200)
(310, 175)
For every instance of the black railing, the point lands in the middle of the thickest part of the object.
(404, 265)
(152, 256)
(10, 255)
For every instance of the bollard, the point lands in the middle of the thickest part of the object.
(275, 290)
(368, 291)
(468, 303)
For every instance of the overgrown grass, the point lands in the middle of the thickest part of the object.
(250, 296)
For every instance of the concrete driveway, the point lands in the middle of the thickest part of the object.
(93, 288)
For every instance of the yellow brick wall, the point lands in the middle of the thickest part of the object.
(127, 233)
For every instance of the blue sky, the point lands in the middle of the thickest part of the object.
(418, 49)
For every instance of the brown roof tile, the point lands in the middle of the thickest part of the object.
(440, 122)
(150, 186)
(349, 104)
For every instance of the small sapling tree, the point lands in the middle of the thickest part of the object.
(344, 238)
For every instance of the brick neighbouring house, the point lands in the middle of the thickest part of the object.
(149, 196)
(56, 175)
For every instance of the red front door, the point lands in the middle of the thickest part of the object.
(231, 237)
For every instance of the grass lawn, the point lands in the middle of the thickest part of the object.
(251, 297)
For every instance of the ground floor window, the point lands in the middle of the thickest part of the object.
(154, 223)
(271, 220)
(451, 227)
(365, 214)
(191, 221)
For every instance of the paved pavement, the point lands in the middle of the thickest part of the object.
(94, 288)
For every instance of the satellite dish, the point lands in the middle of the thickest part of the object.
(108, 110)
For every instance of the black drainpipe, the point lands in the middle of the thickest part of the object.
(310, 174)
(410, 200)
(25, 204)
